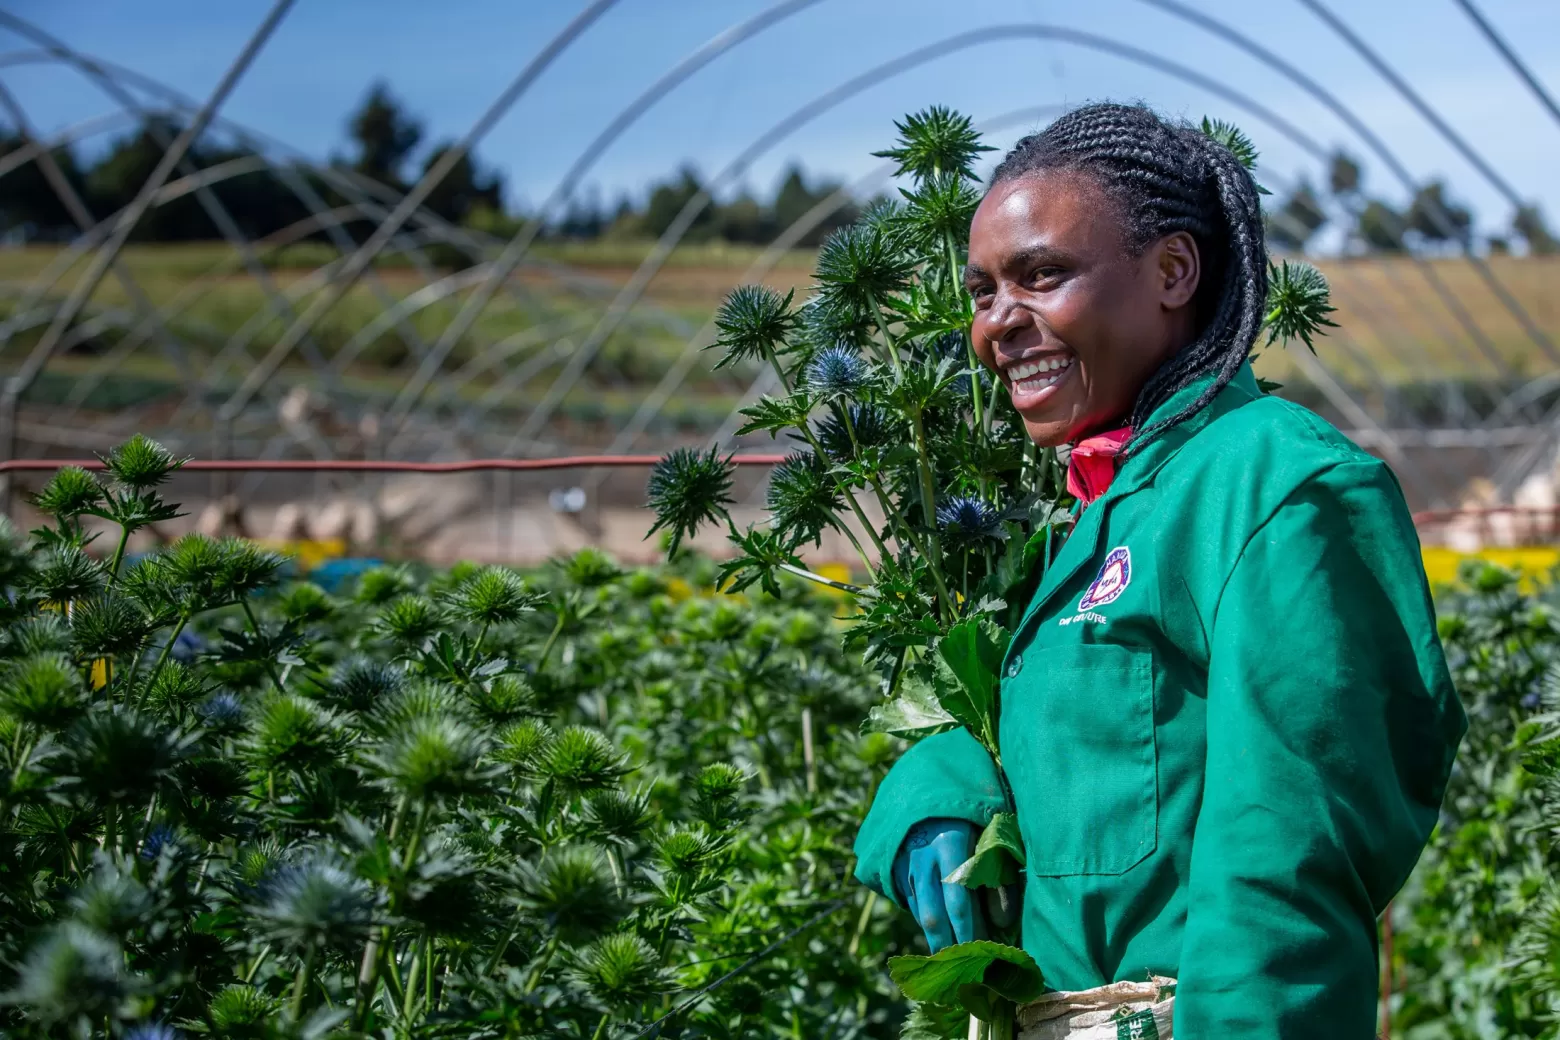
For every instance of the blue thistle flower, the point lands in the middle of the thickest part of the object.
(222, 710)
(966, 520)
(161, 837)
(836, 371)
(153, 1031)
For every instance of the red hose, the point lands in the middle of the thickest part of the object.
(384, 466)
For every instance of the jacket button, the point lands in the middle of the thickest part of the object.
(1014, 667)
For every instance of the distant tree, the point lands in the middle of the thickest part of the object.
(1434, 218)
(112, 184)
(1529, 223)
(28, 202)
(744, 220)
(1299, 217)
(1380, 227)
(667, 200)
(584, 218)
(1343, 175)
(384, 135)
(794, 198)
(463, 189)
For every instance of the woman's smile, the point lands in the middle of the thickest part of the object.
(1033, 379)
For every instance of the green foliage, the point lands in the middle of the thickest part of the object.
(1474, 928)
(464, 804)
(985, 979)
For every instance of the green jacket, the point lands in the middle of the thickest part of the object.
(1228, 726)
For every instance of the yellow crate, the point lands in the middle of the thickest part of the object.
(1535, 563)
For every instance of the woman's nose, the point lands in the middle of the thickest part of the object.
(1004, 317)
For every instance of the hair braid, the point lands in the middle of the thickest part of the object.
(1169, 178)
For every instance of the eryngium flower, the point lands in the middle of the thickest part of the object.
(803, 498)
(75, 975)
(359, 684)
(753, 322)
(140, 463)
(223, 711)
(572, 890)
(1298, 302)
(688, 489)
(432, 757)
(315, 903)
(870, 424)
(837, 371)
(936, 141)
(69, 493)
(621, 971)
(857, 268)
(967, 521)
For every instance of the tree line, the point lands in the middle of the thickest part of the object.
(383, 139)
(264, 198)
(1431, 222)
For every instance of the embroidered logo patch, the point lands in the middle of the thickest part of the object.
(1112, 581)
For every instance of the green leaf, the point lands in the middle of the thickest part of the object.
(998, 856)
(976, 973)
(935, 1022)
(914, 713)
(969, 665)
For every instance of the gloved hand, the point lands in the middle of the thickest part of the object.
(947, 913)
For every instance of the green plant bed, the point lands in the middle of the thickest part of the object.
(442, 803)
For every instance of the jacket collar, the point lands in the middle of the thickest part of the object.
(1082, 546)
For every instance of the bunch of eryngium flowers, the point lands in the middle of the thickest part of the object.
(218, 817)
(911, 451)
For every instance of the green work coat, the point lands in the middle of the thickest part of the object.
(1227, 723)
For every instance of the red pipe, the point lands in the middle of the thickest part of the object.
(384, 466)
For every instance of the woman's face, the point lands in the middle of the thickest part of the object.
(1071, 322)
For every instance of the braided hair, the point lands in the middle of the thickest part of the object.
(1169, 178)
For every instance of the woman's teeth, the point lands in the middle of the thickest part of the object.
(1033, 376)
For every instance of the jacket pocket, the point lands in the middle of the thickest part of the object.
(1077, 733)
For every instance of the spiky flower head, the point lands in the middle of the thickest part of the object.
(717, 789)
(493, 596)
(410, 620)
(382, 584)
(41, 690)
(306, 603)
(223, 711)
(836, 372)
(64, 574)
(159, 838)
(141, 463)
(153, 1031)
(688, 489)
(871, 426)
(119, 754)
(69, 493)
(581, 760)
(859, 267)
(1299, 301)
(105, 625)
(753, 323)
(590, 568)
(939, 209)
(74, 975)
(936, 141)
(359, 684)
(289, 732)
(432, 758)
(317, 903)
(572, 890)
(1233, 138)
(803, 498)
(966, 521)
(113, 901)
(684, 852)
(618, 817)
(621, 971)
(239, 1011)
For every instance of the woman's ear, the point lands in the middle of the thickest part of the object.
(1179, 268)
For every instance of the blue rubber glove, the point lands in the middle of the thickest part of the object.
(947, 913)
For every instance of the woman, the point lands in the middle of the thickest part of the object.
(1226, 718)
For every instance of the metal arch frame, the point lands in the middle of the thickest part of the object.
(948, 45)
(1438, 213)
(1517, 65)
(360, 260)
(90, 279)
(523, 239)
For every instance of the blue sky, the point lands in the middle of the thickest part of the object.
(448, 60)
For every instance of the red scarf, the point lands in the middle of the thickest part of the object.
(1092, 465)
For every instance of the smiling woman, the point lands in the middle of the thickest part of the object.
(1226, 723)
